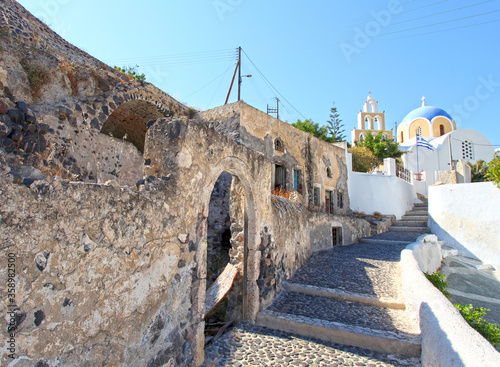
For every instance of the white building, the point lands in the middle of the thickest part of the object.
(451, 147)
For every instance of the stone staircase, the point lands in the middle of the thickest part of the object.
(414, 220)
(352, 294)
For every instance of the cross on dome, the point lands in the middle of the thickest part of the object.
(423, 102)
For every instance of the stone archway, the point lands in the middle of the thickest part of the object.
(226, 248)
(243, 300)
(129, 121)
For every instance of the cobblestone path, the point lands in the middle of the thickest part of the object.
(351, 290)
(247, 345)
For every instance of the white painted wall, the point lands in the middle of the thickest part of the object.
(439, 159)
(447, 339)
(386, 194)
(467, 217)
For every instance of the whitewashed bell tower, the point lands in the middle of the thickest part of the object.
(370, 119)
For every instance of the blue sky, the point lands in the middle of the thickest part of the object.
(308, 54)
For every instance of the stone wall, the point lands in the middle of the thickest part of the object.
(100, 276)
(322, 165)
(116, 274)
(295, 235)
(71, 103)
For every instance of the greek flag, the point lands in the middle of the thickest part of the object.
(421, 142)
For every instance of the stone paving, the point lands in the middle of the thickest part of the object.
(364, 268)
(247, 345)
(335, 310)
(369, 269)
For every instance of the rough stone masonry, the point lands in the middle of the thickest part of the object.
(105, 192)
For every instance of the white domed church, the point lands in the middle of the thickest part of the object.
(441, 144)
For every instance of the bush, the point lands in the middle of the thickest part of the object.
(131, 73)
(474, 316)
(363, 159)
(493, 173)
(438, 280)
(478, 171)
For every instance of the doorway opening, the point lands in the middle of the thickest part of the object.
(336, 236)
(226, 247)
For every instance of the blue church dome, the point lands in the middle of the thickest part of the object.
(427, 112)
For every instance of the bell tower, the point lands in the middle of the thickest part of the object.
(370, 119)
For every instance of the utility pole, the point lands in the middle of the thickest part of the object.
(239, 73)
(237, 69)
(275, 110)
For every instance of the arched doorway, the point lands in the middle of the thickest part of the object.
(227, 247)
(118, 150)
(129, 121)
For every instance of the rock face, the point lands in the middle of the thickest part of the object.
(116, 273)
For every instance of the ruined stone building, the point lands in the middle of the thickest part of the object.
(119, 204)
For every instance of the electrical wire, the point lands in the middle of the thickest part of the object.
(482, 145)
(210, 82)
(267, 80)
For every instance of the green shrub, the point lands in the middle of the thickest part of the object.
(478, 171)
(363, 159)
(493, 172)
(438, 280)
(474, 316)
(131, 73)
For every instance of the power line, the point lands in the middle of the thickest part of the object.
(482, 145)
(210, 82)
(445, 30)
(220, 83)
(446, 21)
(442, 12)
(281, 95)
(181, 56)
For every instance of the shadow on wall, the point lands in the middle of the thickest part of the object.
(448, 239)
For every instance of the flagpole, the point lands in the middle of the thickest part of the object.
(418, 171)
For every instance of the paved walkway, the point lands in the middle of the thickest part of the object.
(369, 269)
(247, 345)
(473, 282)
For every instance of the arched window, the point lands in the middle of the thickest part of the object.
(278, 145)
(361, 137)
(402, 137)
(467, 150)
(329, 172)
(441, 130)
(419, 131)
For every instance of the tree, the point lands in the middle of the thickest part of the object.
(478, 171)
(493, 173)
(363, 159)
(131, 73)
(381, 146)
(313, 128)
(335, 128)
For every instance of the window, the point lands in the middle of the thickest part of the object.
(441, 130)
(340, 199)
(337, 236)
(419, 131)
(297, 180)
(279, 177)
(329, 203)
(316, 196)
(328, 172)
(361, 137)
(402, 140)
(278, 145)
(467, 152)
